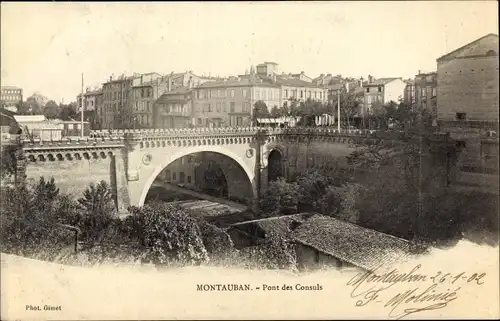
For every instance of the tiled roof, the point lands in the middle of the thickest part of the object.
(280, 225)
(245, 82)
(169, 96)
(293, 82)
(470, 47)
(381, 81)
(352, 243)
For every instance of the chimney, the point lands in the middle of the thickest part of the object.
(361, 82)
(301, 72)
(347, 87)
(142, 79)
(370, 79)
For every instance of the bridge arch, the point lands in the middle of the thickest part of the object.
(275, 165)
(246, 172)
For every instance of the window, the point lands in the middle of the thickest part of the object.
(217, 105)
(264, 94)
(232, 93)
(224, 107)
(189, 179)
(461, 116)
(231, 106)
(199, 121)
(174, 176)
(367, 90)
(379, 89)
(424, 92)
(209, 107)
(168, 175)
(244, 92)
(301, 94)
(271, 94)
(434, 92)
(182, 177)
(218, 93)
(239, 121)
(286, 93)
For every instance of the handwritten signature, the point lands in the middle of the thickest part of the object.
(425, 293)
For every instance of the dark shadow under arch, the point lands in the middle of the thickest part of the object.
(274, 165)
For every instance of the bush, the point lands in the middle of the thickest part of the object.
(277, 252)
(280, 197)
(30, 218)
(97, 210)
(170, 234)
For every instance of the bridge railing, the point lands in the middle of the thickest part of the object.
(176, 131)
(229, 130)
(74, 141)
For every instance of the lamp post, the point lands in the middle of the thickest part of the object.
(338, 110)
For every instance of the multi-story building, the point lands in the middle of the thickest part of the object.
(409, 94)
(467, 102)
(467, 82)
(116, 102)
(426, 92)
(92, 102)
(174, 109)
(128, 101)
(302, 76)
(383, 91)
(230, 102)
(11, 96)
(299, 90)
(266, 69)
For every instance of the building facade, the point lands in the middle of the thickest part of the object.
(11, 96)
(382, 91)
(299, 90)
(174, 109)
(409, 94)
(426, 92)
(467, 82)
(468, 107)
(230, 102)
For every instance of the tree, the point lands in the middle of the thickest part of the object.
(97, 209)
(8, 160)
(23, 108)
(280, 197)
(260, 111)
(66, 112)
(350, 104)
(275, 112)
(170, 234)
(34, 106)
(50, 110)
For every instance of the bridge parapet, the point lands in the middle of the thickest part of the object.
(74, 142)
(172, 132)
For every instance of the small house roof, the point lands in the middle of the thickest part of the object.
(360, 246)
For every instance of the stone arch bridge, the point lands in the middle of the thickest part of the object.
(130, 160)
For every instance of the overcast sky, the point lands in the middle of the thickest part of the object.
(46, 46)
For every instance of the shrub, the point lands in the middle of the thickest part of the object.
(170, 234)
(280, 197)
(97, 210)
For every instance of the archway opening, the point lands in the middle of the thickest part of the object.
(202, 175)
(274, 166)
